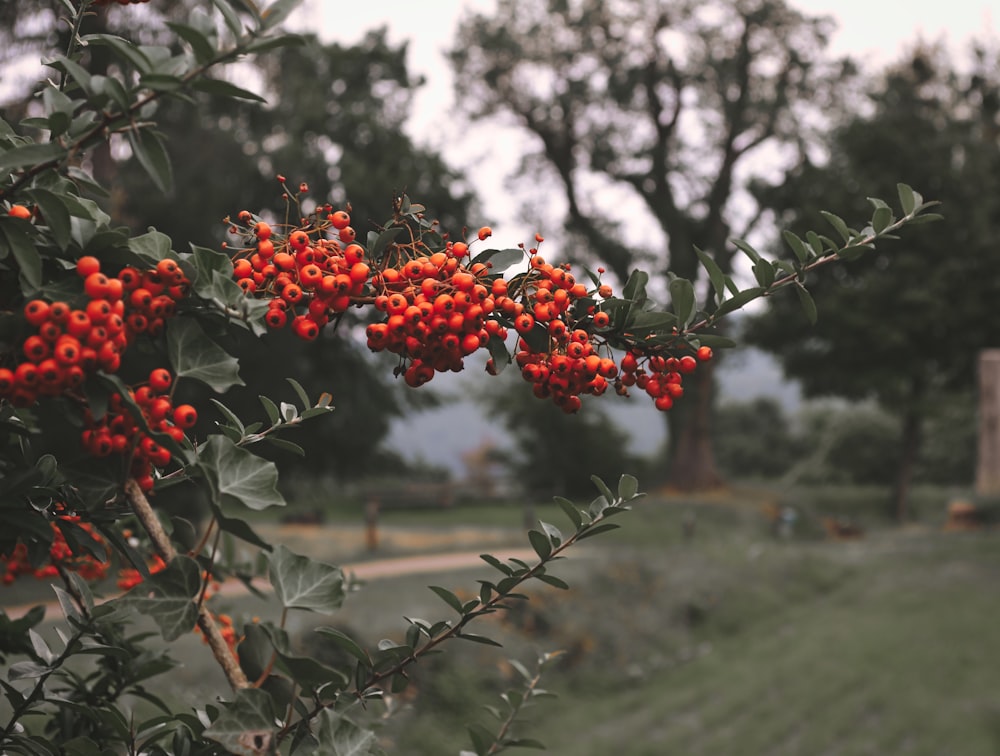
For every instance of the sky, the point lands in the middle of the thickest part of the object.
(874, 32)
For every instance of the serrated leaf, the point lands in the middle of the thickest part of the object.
(303, 583)
(194, 355)
(237, 476)
(167, 597)
(245, 727)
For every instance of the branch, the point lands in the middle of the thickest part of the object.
(206, 621)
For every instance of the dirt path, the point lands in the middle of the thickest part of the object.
(374, 569)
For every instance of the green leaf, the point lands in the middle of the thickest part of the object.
(152, 246)
(152, 155)
(201, 45)
(55, 215)
(635, 287)
(237, 476)
(477, 638)
(303, 583)
(808, 305)
(194, 355)
(881, 219)
(738, 300)
(838, 224)
(231, 18)
(798, 246)
(602, 487)
(14, 241)
(72, 69)
(909, 200)
(500, 259)
(277, 12)
(553, 581)
(246, 726)
(231, 417)
(569, 508)
(498, 351)
(715, 274)
(682, 298)
(168, 597)
(628, 487)
(448, 597)
(346, 643)
(124, 49)
(763, 271)
(540, 543)
(339, 736)
(598, 529)
(29, 155)
(222, 88)
(271, 409)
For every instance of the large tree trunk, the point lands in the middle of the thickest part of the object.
(691, 460)
(910, 442)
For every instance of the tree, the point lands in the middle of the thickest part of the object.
(668, 102)
(932, 295)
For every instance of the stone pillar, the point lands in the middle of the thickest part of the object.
(988, 456)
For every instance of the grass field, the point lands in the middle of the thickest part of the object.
(732, 641)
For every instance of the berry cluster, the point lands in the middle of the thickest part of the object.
(119, 432)
(61, 556)
(68, 343)
(660, 377)
(306, 277)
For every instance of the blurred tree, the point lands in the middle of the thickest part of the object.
(334, 118)
(754, 439)
(902, 326)
(554, 454)
(664, 102)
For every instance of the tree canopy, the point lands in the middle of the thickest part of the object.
(902, 326)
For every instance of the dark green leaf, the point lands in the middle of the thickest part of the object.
(715, 274)
(498, 351)
(881, 219)
(763, 271)
(635, 287)
(14, 241)
(303, 583)
(124, 49)
(201, 45)
(194, 355)
(168, 597)
(236, 476)
(808, 305)
(271, 409)
(500, 259)
(448, 597)
(339, 736)
(55, 215)
(682, 298)
(747, 249)
(29, 155)
(571, 511)
(628, 487)
(597, 529)
(553, 581)
(149, 150)
(286, 445)
(246, 726)
(476, 638)
(909, 200)
(346, 643)
(602, 488)
(738, 300)
(494, 562)
(837, 222)
(798, 246)
(222, 88)
(540, 543)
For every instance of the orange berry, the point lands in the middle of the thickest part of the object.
(19, 211)
(485, 233)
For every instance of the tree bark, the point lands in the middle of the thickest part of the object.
(691, 463)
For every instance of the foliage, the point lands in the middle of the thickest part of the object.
(932, 294)
(103, 330)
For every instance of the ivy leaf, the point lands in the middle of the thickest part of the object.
(304, 583)
(246, 726)
(339, 736)
(194, 355)
(238, 476)
(168, 597)
(152, 246)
